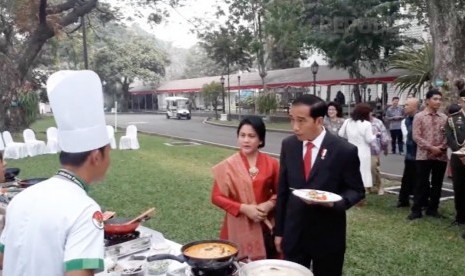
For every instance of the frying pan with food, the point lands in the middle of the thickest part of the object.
(11, 173)
(122, 226)
(205, 254)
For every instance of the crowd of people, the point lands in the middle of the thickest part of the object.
(251, 187)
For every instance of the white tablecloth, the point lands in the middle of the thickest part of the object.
(157, 238)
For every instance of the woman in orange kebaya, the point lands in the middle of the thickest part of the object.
(245, 187)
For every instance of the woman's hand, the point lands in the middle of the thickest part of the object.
(266, 206)
(253, 212)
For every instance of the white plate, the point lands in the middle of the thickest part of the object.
(304, 194)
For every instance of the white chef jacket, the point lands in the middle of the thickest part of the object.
(50, 229)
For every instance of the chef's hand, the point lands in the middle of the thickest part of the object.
(252, 212)
(277, 243)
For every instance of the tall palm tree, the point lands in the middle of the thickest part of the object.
(418, 62)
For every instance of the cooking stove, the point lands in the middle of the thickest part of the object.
(231, 270)
(124, 245)
(112, 239)
(226, 271)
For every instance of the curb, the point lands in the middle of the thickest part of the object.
(200, 142)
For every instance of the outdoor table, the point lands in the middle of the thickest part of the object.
(157, 238)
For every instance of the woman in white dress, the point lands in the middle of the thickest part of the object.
(358, 131)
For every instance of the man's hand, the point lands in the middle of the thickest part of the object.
(253, 212)
(462, 159)
(325, 204)
(435, 151)
(277, 243)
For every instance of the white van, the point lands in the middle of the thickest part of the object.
(177, 107)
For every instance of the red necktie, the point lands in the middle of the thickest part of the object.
(308, 160)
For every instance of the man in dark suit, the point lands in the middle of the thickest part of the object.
(315, 234)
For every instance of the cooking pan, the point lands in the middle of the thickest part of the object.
(204, 263)
(11, 173)
(274, 267)
(122, 226)
(24, 183)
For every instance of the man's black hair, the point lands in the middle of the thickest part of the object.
(76, 159)
(318, 107)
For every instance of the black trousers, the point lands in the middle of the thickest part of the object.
(327, 265)
(458, 181)
(408, 181)
(396, 138)
(425, 168)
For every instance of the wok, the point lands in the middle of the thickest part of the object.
(24, 183)
(11, 173)
(122, 226)
(201, 263)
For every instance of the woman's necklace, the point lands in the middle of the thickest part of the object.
(253, 172)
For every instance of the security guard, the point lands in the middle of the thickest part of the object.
(455, 133)
(54, 228)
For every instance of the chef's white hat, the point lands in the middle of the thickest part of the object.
(76, 100)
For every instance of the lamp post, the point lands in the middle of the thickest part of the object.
(314, 68)
(229, 100)
(239, 101)
(84, 42)
(222, 93)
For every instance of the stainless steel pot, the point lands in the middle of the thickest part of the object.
(274, 268)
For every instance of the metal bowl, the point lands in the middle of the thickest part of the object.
(274, 267)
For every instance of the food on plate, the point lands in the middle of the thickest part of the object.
(210, 250)
(317, 195)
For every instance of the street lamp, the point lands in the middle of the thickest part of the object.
(239, 101)
(84, 42)
(314, 68)
(222, 93)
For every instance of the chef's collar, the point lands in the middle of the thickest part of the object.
(73, 178)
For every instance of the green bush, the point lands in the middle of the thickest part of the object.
(267, 103)
(29, 104)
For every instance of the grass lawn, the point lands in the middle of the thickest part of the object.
(177, 181)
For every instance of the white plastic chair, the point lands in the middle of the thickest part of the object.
(52, 140)
(111, 135)
(2, 145)
(129, 141)
(34, 146)
(13, 150)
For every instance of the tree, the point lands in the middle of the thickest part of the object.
(133, 59)
(420, 65)
(26, 25)
(285, 33)
(446, 22)
(228, 46)
(199, 64)
(355, 34)
(211, 94)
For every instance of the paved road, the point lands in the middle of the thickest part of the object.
(196, 129)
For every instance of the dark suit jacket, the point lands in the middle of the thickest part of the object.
(317, 230)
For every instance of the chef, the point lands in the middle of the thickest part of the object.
(54, 227)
